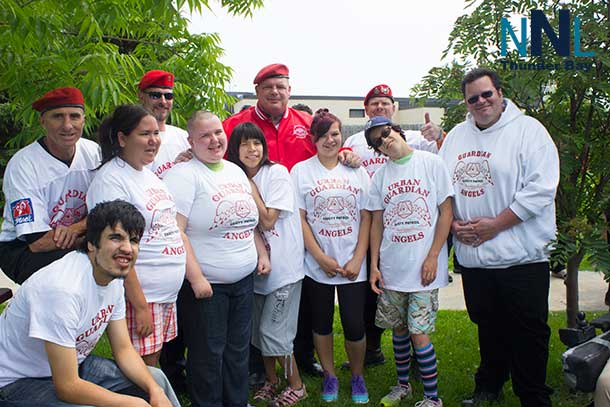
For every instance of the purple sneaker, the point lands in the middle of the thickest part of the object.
(330, 388)
(359, 393)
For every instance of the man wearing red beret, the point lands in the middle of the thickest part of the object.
(286, 129)
(156, 94)
(45, 187)
(289, 142)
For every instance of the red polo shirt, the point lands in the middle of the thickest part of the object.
(289, 143)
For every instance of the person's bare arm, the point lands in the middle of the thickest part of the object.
(264, 263)
(199, 284)
(352, 267)
(376, 235)
(70, 388)
(327, 263)
(135, 295)
(62, 237)
(266, 216)
(443, 225)
(132, 365)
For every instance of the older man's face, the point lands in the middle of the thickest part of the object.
(64, 127)
(273, 95)
(379, 106)
(488, 106)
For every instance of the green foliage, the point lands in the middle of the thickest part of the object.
(103, 47)
(572, 104)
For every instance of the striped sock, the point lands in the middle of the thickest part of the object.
(426, 359)
(402, 356)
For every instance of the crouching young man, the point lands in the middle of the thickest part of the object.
(57, 317)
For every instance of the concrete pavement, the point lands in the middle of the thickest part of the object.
(591, 289)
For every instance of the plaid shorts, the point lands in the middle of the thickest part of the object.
(415, 311)
(164, 327)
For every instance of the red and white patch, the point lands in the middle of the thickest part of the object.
(22, 211)
(300, 131)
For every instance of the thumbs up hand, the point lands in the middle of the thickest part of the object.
(431, 131)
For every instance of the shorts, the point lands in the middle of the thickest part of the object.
(275, 320)
(164, 327)
(415, 311)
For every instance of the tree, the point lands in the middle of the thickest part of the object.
(103, 47)
(574, 105)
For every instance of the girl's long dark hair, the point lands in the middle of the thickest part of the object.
(246, 131)
(124, 119)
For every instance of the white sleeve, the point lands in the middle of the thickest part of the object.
(182, 185)
(349, 141)
(119, 306)
(375, 202)
(540, 168)
(28, 204)
(365, 181)
(419, 142)
(106, 189)
(442, 180)
(54, 317)
(295, 173)
(279, 193)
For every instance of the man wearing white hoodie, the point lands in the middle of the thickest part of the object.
(505, 171)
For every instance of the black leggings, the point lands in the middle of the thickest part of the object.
(351, 307)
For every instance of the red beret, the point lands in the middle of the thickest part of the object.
(158, 79)
(379, 91)
(271, 71)
(60, 97)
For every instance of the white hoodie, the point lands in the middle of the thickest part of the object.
(515, 164)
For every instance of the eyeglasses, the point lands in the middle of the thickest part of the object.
(158, 95)
(474, 99)
(384, 134)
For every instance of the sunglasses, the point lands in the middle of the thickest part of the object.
(384, 134)
(158, 95)
(474, 99)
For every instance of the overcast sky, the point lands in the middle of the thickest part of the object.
(335, 47)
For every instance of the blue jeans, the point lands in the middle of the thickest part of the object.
(104, 372)
(217, 333)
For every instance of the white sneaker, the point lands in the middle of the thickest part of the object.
(429, 403)
(396, 394)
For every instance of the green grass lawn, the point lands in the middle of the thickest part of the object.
(456, 346)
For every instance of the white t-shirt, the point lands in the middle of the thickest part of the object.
(333, 200)
(372, 161)
(221, 217)
(42, 192)
(61, 304)
(161, 263)
(285, 240)
(173, 142)
(409, 195)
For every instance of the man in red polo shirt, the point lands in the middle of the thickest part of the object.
(286, 129)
